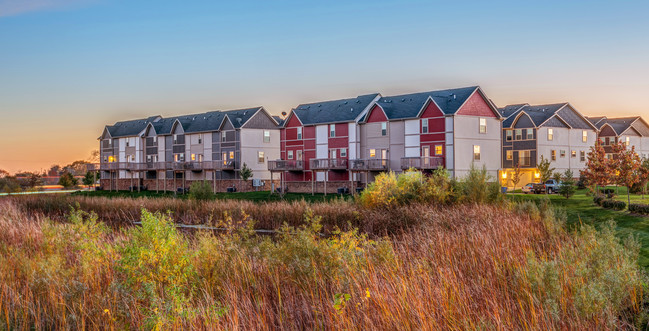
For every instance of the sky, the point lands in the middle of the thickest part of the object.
(70, 67)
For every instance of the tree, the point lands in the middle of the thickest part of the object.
(567, 187)
(557, 176)
(245, 172)
(67, 180)
(627, 165)
(516, 175)
(31, 180)
(545, 171)
(643, 176)
(77, 168)
(89, 178)
(598, 167)
(94, 156)
(4, 173)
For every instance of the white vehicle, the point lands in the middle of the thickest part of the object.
(527, 188)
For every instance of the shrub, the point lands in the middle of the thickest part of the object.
(201, 190)
(607, 191)
(567, 187)
(639, 208)
(613, 204)
(479, 187)
(67, 180)
(598, 199)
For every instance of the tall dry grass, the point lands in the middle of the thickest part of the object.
(461, 267)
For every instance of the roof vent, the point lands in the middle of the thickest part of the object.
(193, 118)
(320, 105)
(403, 100)
(454, 96)
(351, 109)
(345, 102)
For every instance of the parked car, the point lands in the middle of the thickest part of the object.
(550, 185)
(527, 188)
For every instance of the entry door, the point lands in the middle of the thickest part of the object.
(425, 153)
(384, 157)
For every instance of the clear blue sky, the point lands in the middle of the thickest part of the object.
(68, 67)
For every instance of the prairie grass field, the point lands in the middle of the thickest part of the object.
(404, 255)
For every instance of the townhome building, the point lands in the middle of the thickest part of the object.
(320, 143)
(557, 132)
(169, 153)
(632, 131)
(454, 129)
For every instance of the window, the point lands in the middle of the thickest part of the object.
(193, 157)
(573, 154)
(607, 141)
(524, 158)
(105, 159)
(483, 125)
(582, 156)
(372, 152)
(155, 139)
(111, 158)
(424, 125)
(438, 150)
(553, 155)
(508, 135)
(223, 137)
(200, 138)
(584, 136)
(519, 134)
(627, 141)
(510, 155)
(260, 157)
(232, 155)
(476, 152)
(299, 155)
(224, 156)
(110, 141)
(550, 134)
(562, 153)
(343, 152)
(530, 133)
(266, 136)
(128, 142)
(299, 133)
(332, 153)
(175, 139)
(290, 155)
(384, 128)
(332, 130)
(179, 157)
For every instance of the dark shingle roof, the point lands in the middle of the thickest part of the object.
(279, 120)
(597, 121)
(621, 124)
(511, 109)
(538, 114)
(240, 116)
(130, 128)
(343, 110)
(408, 105)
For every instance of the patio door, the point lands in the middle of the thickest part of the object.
(384, 157)
(425, 153)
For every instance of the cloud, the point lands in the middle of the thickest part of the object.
(17, 7)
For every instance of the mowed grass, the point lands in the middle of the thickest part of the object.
(258, 196)
(581, 209)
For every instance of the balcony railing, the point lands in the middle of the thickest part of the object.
(369, 164)
(153, 166)
(286, 165)
(523, 161)
(328, 164)
(422, 162)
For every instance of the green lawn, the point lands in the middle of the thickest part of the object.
(580, 208)
(260, 196)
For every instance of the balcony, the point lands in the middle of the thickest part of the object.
(156, 166)
(286, 165)
(422, 162)
(328, 164)
(369, 165)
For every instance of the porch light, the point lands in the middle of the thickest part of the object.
(537, 175)
(504, 175)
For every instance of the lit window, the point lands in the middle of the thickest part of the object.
(553, 154)
(372, 152)
(260, 157)
(573, 154)
(332, 130)
(476, 152)
(299, 155)
(562, 153)
(510, 155)
(508, 135)
(384, 129)
(483, 125)
(519, 134)
(530, 133)
(343, 152)
(232, 155)
(438, 150)
(223, 136)
(290, 155)
(111, 158)
(584, 136)
(266, 136)
(550, 134)
(193, 157)
(627, 141)
(299, 133)
(179, 157)
(582, 156)
(224, 156)
(424, 125)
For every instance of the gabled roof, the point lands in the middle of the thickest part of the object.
(538, 114)
(333, 111)
(621, 124)
(409, 105)
(511, 109)
(279, 120)
(239, 117)
(131, 127)
(598, 121)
